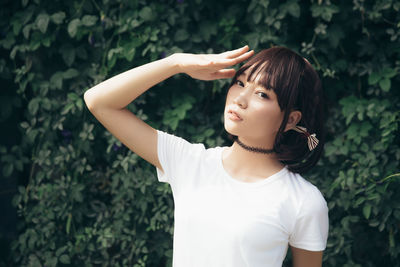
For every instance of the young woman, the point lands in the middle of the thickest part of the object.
(241, 205)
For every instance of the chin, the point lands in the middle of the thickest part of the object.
(231, 129)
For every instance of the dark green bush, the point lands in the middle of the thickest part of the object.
(85, 200)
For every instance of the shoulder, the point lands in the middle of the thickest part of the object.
(308, 197)
(170, 140)
(184, 149)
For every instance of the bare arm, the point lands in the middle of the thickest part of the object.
(108, 100)
(306, 258)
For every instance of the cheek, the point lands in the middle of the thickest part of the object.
(231, 92)
(269, 117)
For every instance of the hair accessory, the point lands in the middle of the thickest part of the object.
(311, 138)
(254, 149)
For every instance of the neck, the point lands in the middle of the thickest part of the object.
(248, 165)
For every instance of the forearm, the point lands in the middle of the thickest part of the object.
(120, 90)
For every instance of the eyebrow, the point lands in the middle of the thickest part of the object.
(244, 75)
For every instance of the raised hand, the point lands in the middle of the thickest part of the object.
(211, 66)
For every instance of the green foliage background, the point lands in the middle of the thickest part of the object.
(85, 200)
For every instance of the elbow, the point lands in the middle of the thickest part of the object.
(89, 101)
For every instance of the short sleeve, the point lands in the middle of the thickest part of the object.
(177, 157)
(312, 224)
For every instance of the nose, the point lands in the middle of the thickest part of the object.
(241, 100)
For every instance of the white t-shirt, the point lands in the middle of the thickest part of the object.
(223, 222)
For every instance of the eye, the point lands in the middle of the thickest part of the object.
(262, 94)
(240, 83)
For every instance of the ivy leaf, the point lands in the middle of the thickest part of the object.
(8, 169)
(257, 16)
(42, 21)
(294, 9)
(324, 11)
(68, 226)
(73, 27)
(385, 84)
(56, 80)
(367, 210)
(181, 35)
(70, 73)
(373, 78)
(389, 73)
(335, 34)
(16, 26)
(68, 54)
(65, 259)
(24, 124)
(33, 106)
(113, 51)
(146, 13)
(73, 96)
(89, 20)
(129, 51)
(26, 30)
(58, 17)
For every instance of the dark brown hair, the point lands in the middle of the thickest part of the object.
(298, 87)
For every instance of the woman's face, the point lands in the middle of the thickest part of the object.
(252, 112)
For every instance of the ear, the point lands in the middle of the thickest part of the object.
(294, 118)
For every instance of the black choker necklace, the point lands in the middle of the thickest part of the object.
(254, 149)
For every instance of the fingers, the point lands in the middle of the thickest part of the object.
(224, 74)
(230, 62)
(236, 52)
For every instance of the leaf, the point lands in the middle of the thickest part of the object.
(42, 21)
(367, 210)
(294, 9)
(324, 11)
(33, 106)
(65, 259)
(70, 73)
(61, 250)
(67, 108)
(359, 201)
(73, 27)
(257, 16)
(24, 124)
(129, 51)
(68, 54)
(56, 80)
(26, 30)
(8, 169)
(146, 13)
(385, 84)
(373, 78)
(181, 35)
(113, 51)
(389, 72)
(58, 17)
(89, 20)
(73, 96)
(16, 26)
(68, 226)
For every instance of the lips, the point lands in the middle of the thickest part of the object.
(233, 115)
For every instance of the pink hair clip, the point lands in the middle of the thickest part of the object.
(311, 138)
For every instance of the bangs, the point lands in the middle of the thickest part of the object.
(278, 70)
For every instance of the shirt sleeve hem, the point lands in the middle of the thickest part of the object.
(161, 176)
(314, 247)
